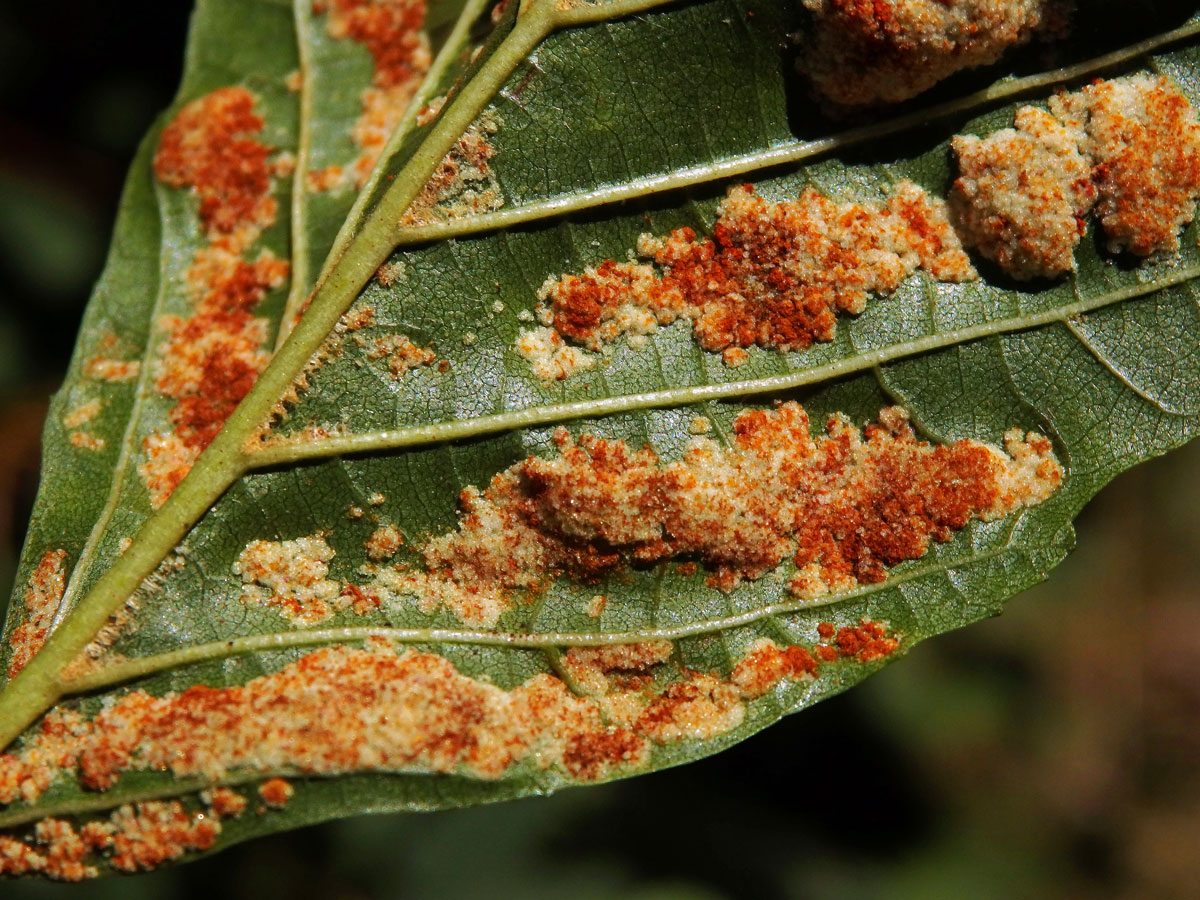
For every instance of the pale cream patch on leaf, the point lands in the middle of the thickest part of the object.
(43, 594)
(384, 542)
(289, 576)
(85, 440)
(83, 413)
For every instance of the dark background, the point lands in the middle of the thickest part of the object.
(1049, 753)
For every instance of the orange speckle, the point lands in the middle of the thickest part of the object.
(324, 179)
(1022, 194)
(866, 642)
(83, 413)
(402, 354)
(698, 708)
(590, 755)
(225, 803)
(167, 460)
(289, 576)
(276, 792)
(361, 600)
(430, 110)
(463, 183)
(115, 371)
(56, 851)
(389, 273)
(340, 710)
(595, 607)
(766, 664)
(591, 666)
(143, 836)
(384, 542)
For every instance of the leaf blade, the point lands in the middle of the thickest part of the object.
(960, 581)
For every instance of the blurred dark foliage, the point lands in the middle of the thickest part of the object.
(1050, 753)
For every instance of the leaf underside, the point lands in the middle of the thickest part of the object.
(680, 88)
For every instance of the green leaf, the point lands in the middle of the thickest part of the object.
(602, 121)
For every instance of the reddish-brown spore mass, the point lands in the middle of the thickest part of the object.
(225, 802)
(211, 147)
(866, 52)
(339, 710)
(276, 792)
(1022, 194)
(1130, 146)
(1142, 135)
(767, 664)
(866, 642)
(210, 360)
(772, 275)
(845, 506)
(146, 835)
(43, 593)
(391, 32)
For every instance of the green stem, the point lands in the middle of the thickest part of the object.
(298, 211)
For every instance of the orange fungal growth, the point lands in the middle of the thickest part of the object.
(1130, 147)
(57, 852)
(143, 836)
(276, 792)
(341, 710)
(773, 275)
(697, 708)
(867, 642)
(133, 838)
(43, 594)
(766, 664)
(224, 802)
(592, 666)
(845, 507)
(1142, 135)
(463, 184)
(83, 413)
(1022, 194)
(869, 52)
(116, 371)
(210, 360)
(391, 30)
(85, 440)
(210, 146)
(289, 576)
(334, 710)
(402, 354)
(384, 542)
